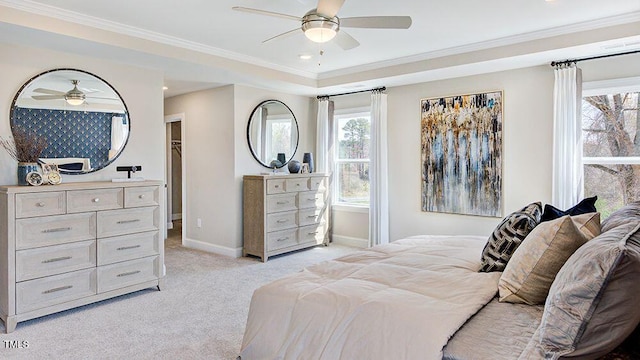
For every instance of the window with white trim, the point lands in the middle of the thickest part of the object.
(352, 140)
(611, 142)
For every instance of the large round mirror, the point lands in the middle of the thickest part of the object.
(272, 133)
(83, 119)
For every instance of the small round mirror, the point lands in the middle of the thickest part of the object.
(83, 119)
(272, 133)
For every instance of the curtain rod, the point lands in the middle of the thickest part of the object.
(382, 88)
(554, 63)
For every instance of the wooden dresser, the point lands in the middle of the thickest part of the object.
(282, 213)
(73, 244)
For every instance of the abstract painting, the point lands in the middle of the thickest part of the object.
(462, 154)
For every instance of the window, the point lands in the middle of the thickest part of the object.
(353, 134)
(611, 143)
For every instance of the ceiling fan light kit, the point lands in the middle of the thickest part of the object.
(74, 96)
(318, 28)
(322, 24)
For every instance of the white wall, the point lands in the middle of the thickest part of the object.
(141, 90)
(217, 155)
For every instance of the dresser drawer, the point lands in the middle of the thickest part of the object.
(127, 221)
(310, 216)
(93, 200)
(57, 289)
(317, 183)
(296, 184)
(54, 230)
(281, 221)
(275, 186)
(314, 233)
(141, 196)
(279, 203)
(282, 239)
(116, 276)
(53, 260)
(127, 247)
(310, 199)
(40, 204)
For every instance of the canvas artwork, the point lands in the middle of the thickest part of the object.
(462, 154)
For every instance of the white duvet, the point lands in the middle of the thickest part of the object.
(403, 300)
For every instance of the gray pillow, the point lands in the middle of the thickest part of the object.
(592, 304)
(509, 234)
(628, 213)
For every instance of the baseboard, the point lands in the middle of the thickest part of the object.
(212, 248)
(177, 216)
(350, 241)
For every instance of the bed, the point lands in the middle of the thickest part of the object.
(424, 297)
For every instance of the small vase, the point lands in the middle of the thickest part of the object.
(307, 158)
(282, 158)
(23, 169)
(294, 166)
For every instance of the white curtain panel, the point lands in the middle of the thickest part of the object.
(378, 182)
(568, 181)
(118, 135)
(322, 137)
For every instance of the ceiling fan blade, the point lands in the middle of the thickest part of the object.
(284, 34)
(268, 13)
(377, 22)
(346, 41)
(329, 7)
(48, 91)
(48, 97)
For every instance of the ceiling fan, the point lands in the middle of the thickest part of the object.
(73, 97)
(322, 23)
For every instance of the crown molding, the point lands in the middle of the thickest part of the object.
(505, 41)
(112, 26)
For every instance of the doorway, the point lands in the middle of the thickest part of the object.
(175, 178)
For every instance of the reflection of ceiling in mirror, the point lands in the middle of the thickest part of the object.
(100, 97)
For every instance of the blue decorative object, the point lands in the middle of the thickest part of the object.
(294, 166)
(282, 158)
(275, 164)
(307, 158)
(23, 169)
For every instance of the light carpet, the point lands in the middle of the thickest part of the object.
(200, 314)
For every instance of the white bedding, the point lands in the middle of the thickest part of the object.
(403, 300)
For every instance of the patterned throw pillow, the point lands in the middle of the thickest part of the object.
(530, 273)
(508, 236)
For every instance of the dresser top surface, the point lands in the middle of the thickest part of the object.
(16, 189)
(283, 176)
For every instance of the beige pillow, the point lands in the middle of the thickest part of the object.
(534, 265)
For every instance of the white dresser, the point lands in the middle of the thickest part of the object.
(72, 244)
(282, 213)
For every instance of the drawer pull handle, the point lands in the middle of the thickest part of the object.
(95, 200)
(312, 233)
(56, 230)
(277, 186)
(282, 221)
(128, 273)
(141, 196)
(127, 221)
(40, 204)
(283, 239)
(57, 289)
(282, 202)
(312, 199)
(311, 216)
(128, 247)
(62, 258)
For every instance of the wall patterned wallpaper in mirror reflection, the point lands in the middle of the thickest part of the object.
(84, 134)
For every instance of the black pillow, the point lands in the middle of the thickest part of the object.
(71, 166)
(585, 206)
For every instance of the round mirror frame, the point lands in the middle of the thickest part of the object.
(255, 156)
(126, 111)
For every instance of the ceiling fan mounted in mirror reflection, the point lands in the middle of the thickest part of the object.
(73, 97)
(322, 24)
